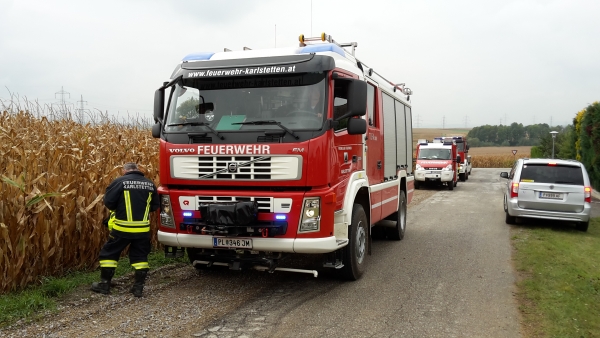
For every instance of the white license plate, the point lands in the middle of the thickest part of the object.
(551, 195)
(241, 243)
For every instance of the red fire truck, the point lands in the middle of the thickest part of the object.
(269, 153)
(462, 147)
(437, 162)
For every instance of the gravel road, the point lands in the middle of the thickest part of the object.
(451, 276)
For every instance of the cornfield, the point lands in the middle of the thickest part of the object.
(54, 173)
(498, 161)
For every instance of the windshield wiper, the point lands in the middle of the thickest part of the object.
(271, 122)
(204, 124)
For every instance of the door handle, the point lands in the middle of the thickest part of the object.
(378, 164)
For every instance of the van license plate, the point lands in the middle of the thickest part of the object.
(241, 243)
(551, 195)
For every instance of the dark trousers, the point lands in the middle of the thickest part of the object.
(138, 252)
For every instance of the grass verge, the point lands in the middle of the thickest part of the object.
(28, 303)
(559, 279)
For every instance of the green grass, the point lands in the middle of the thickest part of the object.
(28, 303)
(559, 291)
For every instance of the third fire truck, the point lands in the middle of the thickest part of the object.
(437, 163)
(269, 153)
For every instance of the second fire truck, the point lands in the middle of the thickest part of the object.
(437, 163)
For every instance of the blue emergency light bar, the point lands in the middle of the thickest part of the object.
(280, 217)
(322, 47)
(187, 214)
(198, 56)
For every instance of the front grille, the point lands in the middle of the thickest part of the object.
(265, 204)
(259, 170)
(237, 167)
(432, 168)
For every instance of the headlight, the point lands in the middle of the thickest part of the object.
(311, 215)
(418, 167)
(448, 168)
(166, 212)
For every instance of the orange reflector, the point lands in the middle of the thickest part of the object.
(330, 198)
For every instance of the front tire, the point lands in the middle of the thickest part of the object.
(355, 253)
(417, 185)
(451, 185)
(397, 233)
(511, 220)
(462, 177)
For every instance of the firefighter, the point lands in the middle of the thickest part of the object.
(130, 198)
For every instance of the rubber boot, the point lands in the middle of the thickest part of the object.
(140, 279)
(106, 274)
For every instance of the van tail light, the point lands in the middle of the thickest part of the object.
(587, 194)
(514, 191)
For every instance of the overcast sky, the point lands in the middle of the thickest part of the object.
(473, 62)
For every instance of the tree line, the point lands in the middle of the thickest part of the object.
(579, 141)
(509, 135)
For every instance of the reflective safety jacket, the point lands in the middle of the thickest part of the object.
(131, 198)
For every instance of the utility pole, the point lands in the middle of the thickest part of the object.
(466, 121)
(311, 18)
(444, 122)
(550, 121)
(62, 103)
(80, 110)
(505, 123)
(418, 120)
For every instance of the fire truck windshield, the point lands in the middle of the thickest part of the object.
(295, 102)
(434, 154)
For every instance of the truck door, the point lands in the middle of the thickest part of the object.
(348, 149)
(374, 148)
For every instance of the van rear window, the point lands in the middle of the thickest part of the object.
(557, 174)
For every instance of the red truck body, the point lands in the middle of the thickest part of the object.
(249, 176)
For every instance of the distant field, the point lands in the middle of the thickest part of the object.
(430, 133)
(499, 151)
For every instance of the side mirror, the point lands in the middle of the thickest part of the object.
(504, 174)
(356, 126)
(159, 104)
(467, 147)
(458, 159)
(357, 98)
(156, 130)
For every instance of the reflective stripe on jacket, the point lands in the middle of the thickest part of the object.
(132, 197)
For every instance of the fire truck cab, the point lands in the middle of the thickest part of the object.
(269, 153)
(437, 162)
